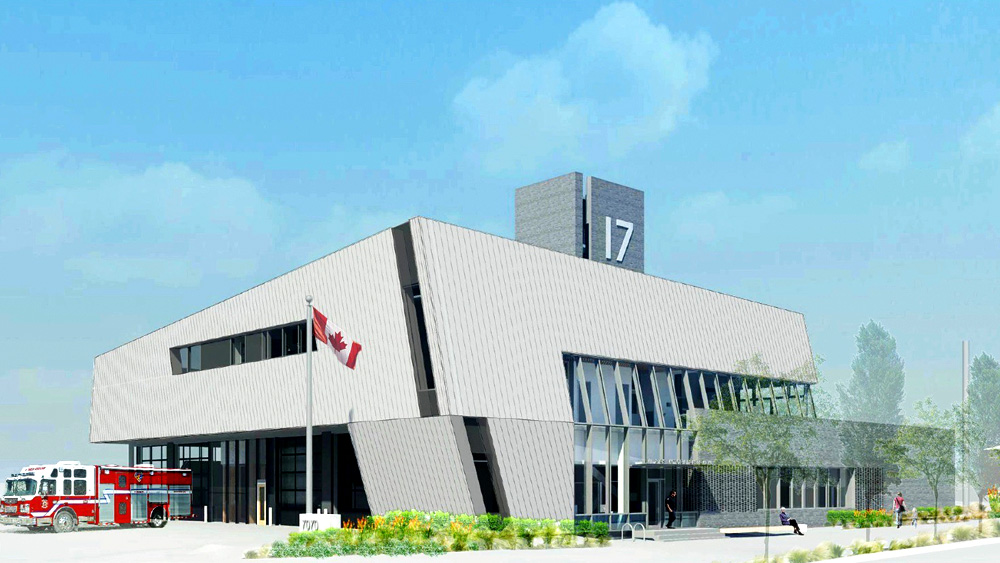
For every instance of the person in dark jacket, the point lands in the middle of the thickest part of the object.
(671, 505)
(786, 521)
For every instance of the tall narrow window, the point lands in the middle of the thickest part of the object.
(239, 350)
(194, 361)
(275, 346)
(645, 388)
(594, 391)
(575, 397)
(666, 396)
(611, 393)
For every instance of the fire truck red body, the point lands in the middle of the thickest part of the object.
(62, 495)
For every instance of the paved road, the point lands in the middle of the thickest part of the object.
(971, 553)
(197, 541)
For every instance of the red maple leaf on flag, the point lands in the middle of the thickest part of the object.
(338, 342)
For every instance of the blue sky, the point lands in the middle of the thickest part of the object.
(842, 160)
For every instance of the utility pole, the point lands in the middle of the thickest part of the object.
(965, 423)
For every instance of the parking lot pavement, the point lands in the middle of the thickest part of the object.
(178, 541)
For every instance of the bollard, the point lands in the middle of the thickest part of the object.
(270, 516)
(206, 512)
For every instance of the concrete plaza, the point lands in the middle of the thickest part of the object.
(197, 541)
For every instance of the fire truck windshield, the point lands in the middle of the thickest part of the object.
(22, 487)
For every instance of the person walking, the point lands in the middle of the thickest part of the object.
(914, 517)
(671, 505)
(786, 521)
(899, 506)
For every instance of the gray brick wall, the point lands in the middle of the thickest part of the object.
(549, 214)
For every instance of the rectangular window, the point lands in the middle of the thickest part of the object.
(185, 366)
(67, 487)
(595, 392)
(645, 389)
(195, 358)
(239, 350)
(575, 397)
(216, 354)
(661, 375)
(79, 487)
(254, 347)
(275, 346)
(292, 344)
(611, 394)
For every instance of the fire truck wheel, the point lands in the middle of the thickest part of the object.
(65, 521)
(157, 519)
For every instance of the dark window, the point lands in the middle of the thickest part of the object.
(121, 482)
(80, 473)
(79, 487)
(274, 343)
(254, 347)
(418, 309)
(121, 508)
(67, 472)
(292, 341)
(239, 350)
(184, 360)
(67, 487)
(216, 354)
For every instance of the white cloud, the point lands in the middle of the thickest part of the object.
(981, 143)
(714, 216)
(619, 81)
(888, 157)
(166, 223)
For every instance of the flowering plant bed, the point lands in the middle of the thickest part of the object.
(411, 532)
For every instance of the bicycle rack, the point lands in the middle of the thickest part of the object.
(635, 528)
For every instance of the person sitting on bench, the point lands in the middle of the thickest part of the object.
(786, 521)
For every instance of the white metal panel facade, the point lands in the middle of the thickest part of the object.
(411, 463)
(535, 460)
(136, 397)
(501, 313)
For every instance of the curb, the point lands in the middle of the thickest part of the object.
(881, 556)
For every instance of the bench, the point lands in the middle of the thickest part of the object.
(778, 530)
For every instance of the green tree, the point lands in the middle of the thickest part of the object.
(981, 428)
(874, 395)
(875, 391)
(925, 447)
(826, 402)
(764, 443)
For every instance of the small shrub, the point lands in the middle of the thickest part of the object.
(859, 547)
(491, 522)
(827, 550)
(583, 528)
(486, 536)
(964, 533)
(798, 556)
(923, 540)
(896, 545)
(943, 538)
(548, 532)
(599, 530)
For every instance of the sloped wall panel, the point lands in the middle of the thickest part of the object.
(136, 397)
(535, 460)
(501, 314)
(411, 464)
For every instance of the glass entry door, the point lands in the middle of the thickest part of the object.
(655, 496)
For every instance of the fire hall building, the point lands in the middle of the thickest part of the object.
(546, 376)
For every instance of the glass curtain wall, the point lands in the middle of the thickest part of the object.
(629, 414)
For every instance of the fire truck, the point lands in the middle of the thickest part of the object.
(65, 494)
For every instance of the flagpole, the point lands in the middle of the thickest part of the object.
(309, 405)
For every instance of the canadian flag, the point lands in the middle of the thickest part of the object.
(328, 333)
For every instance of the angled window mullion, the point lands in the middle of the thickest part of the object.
(746, 393)
(673, 398)
(637, 391)
(658, 410)
(733, 396)
(581, 382)
(701, 385)
(623, 402)
(798, 399)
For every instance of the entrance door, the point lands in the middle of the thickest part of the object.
(655, 499)
(262, 503)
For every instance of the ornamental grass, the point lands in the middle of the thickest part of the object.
(412, 532)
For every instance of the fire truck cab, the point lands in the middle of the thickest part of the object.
(65, 494)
